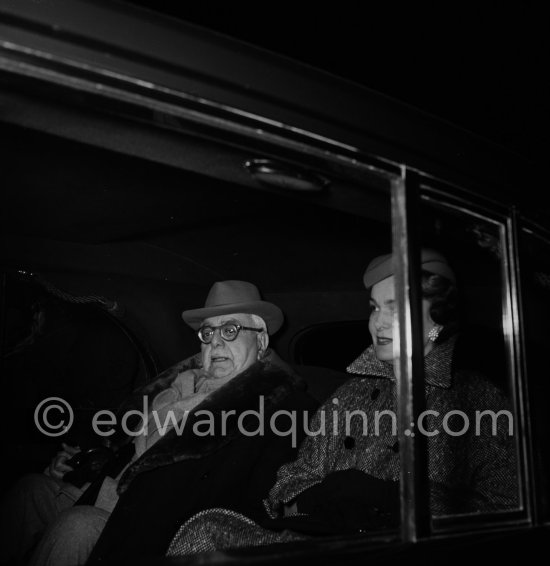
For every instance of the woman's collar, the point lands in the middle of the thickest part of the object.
(437, 364)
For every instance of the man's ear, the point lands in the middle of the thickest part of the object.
(263, 343)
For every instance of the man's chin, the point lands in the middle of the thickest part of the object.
(219, 371)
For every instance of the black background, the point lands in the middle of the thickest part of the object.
(482, 68)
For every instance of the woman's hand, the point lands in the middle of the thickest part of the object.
(58, 466)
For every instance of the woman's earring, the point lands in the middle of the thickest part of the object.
(434, 333)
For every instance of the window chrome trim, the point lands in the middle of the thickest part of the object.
(525, 228)
(48, 60)
(514, 336)
(80, 77)
(457, 195)
(535, 230)
(408, 360)
(402, 353)
(463, 208)
(512, 333)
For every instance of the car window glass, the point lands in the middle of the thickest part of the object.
(535, 270)
(479, 428)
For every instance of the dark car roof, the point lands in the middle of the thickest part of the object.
(267, 90)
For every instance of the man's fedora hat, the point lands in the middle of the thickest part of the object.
(229, 297)
(381, 267)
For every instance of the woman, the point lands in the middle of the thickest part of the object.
(345, 478)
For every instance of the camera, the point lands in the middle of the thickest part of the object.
(87, 465)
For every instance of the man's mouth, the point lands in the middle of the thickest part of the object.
(381, 341)
(219, 359)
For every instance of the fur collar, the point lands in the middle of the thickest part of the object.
(135, 400)
(241, 394)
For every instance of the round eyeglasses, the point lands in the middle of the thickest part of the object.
(228, 331)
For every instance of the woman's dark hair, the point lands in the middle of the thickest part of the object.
(443, 297)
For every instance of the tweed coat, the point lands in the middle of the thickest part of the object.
(471, 472)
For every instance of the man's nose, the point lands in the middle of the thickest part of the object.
(217, 339)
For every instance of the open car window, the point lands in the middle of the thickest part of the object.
(152, 239)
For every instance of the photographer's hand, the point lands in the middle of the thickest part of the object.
(58, 466)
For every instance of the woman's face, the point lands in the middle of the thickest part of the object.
(381, 321)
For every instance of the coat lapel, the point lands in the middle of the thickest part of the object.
(206, 428)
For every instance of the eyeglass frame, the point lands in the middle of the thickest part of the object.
(238, 326)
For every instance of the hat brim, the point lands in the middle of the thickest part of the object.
(272, 314)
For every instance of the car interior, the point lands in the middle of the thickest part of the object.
(103, 251)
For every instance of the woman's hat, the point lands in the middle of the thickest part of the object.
(228, 297)
(381, 267)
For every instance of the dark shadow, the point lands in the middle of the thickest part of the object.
(76, 352)
(330, 344)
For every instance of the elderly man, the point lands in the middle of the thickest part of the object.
(208, 440)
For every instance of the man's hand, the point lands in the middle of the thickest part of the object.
(290, 509)
(58, 466)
